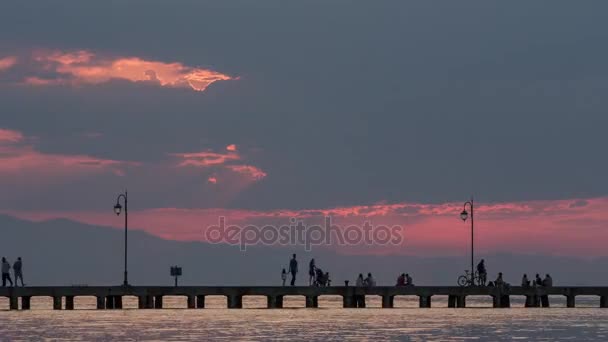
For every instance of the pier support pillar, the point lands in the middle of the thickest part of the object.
(149, 302)
(505, 301)
(425, 301)
(544, 301)
(532, 301)
(158, 302)
(235, 302)
(25, 302)
(13, 302)
(141, 302)
(69, 302)
(496, 301)
(348, 301)
(360, 301)
(191, 302)
(274, 302)
(57, 303)
(200, 302)
(461, 301)
(603, 301)
(452, 301)
(570, 301)
(388, 302)
(109, 302)
(312, 301)
(101, 303)
(117, 302)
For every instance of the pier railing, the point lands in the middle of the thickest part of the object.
(149, 297)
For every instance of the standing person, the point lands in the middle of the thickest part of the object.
(311, 272)
(360, 282)
(524, 281)
(283, 276)
(369, 281)
(481, 270)
(18, 271)
(548, 281)
(293, 269)
(5, 272)
(538, 281)
(499, 282)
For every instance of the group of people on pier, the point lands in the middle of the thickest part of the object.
(17, 271)
(499, 282)
(316, 276)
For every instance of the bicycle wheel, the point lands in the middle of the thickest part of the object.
(463, 281)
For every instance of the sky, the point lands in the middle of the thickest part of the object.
(260, 111)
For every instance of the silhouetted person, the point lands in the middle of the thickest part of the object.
(18, 271)
(327, 279)
(524, 281)
(293, 269)
(6, 275)
(369, 281)
(548, 281)
(481, 270)
(283, 276)
(401, 280)
(408, 280)
(499, 282)
(311, 272)
(538, 281)
(360, 281)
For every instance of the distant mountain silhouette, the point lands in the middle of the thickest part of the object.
(63, 252)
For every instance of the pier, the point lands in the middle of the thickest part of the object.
(151, 297)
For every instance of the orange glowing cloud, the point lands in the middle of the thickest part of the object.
(231, 147)
(7, 62)
(205, 159)
(85, 67)
(248, 170)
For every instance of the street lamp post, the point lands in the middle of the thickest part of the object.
(464, 215)
(117, 210)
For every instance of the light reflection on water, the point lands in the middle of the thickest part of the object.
(330, 322)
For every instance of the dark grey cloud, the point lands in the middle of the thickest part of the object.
(344, 102)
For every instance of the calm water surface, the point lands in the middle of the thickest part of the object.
(330, 322)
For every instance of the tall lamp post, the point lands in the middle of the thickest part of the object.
(117, 210)
(464, 215)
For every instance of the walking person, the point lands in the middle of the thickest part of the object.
(293, 269)
(283, 276)
(6, 272)
(311, 272)
(18, 271)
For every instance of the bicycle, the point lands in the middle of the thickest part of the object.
(466, 280)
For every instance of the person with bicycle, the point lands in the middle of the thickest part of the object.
(481, 271)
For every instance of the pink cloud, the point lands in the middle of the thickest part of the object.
(20, 159)
(86, 67)
(560, 227)
(248, 170)
(7, 62)
(231, 147)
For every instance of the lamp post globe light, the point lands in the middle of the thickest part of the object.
(117, 211)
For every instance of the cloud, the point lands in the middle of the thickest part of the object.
(248, 170)
(231, 147)
(549, 227)
(19, 158)
(7, 62)
(85, 67)
(204, 159)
